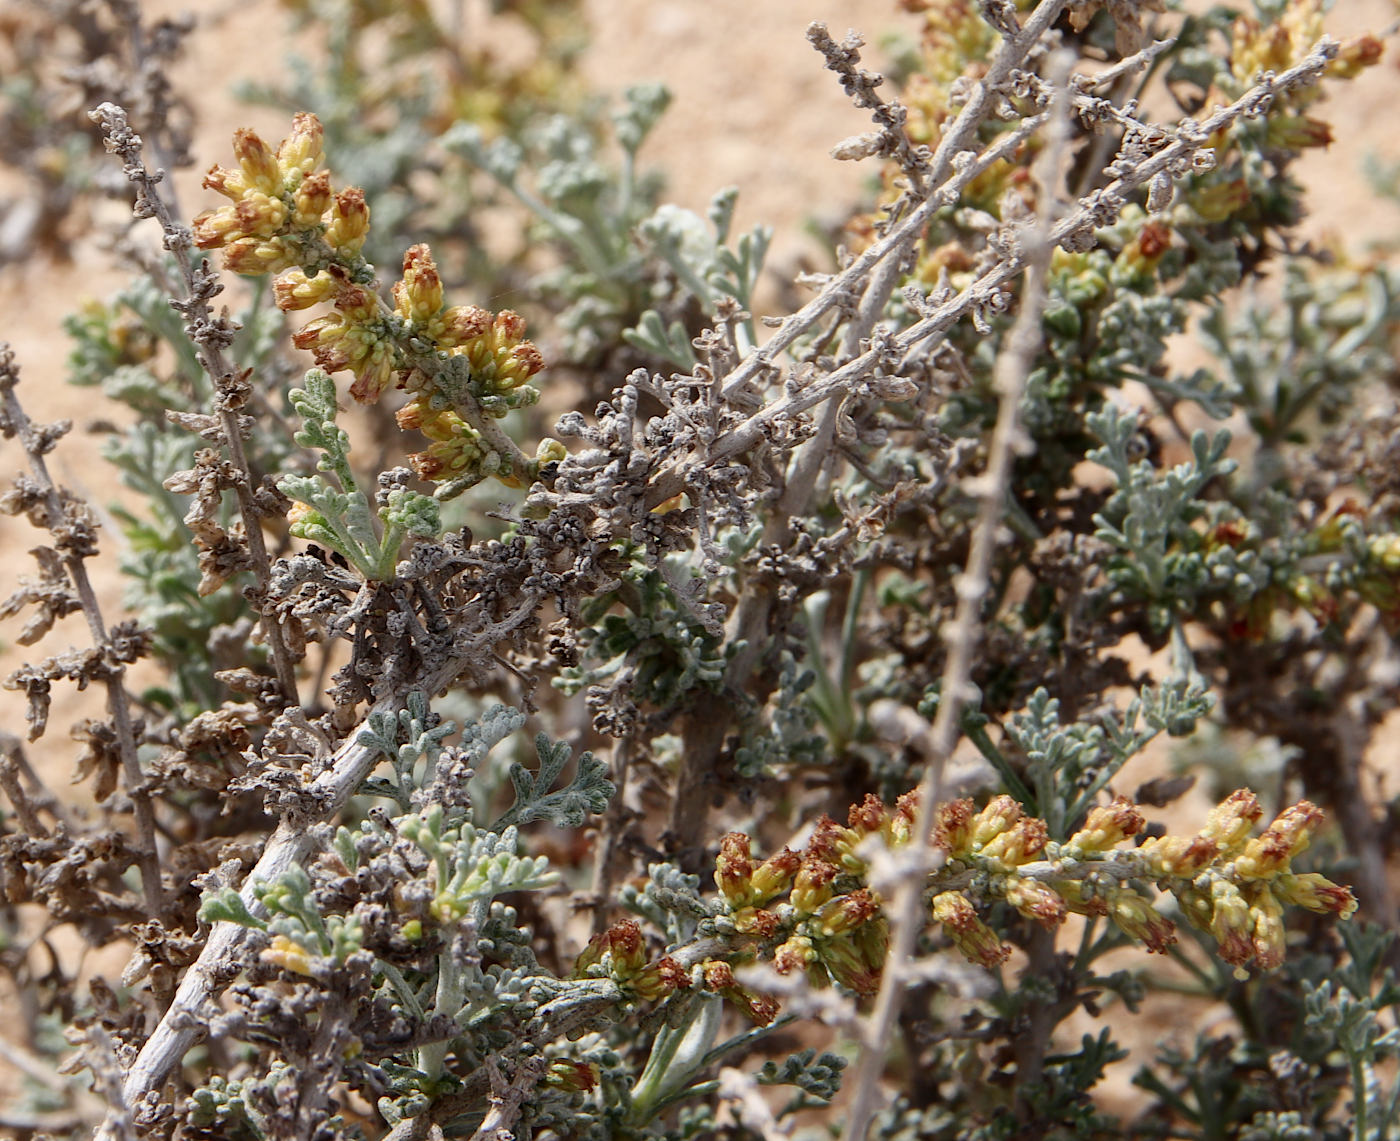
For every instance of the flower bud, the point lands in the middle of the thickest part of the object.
(1270, 853)
(846, 912)
(1108, 826)
(418, 296)
(1022, 842)
(312, 199)
(1139, 919)
(1231, 922)
(1080, 898)
(844, 961)
(462, 324)
(734, 869)
(254, 257)
(953, 830)
(775, 875)
(837, 845)
(659, 979)
(796, 954)
(1230, 822)
(1000, 814)
(1356, 54)
(961, 923)
(349, 221)
(903, 819)
(301, 151)
(574, 1077)
(1178, 857)
(256, 162)
(1218, 202)
(1035, 900)
(1316, 893)
(812, 886)
(294, 290)
(757, 922)
(286, 953)
(870, 815)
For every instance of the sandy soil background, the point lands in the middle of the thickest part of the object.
(753, 108)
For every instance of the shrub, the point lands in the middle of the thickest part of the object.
(938, 554)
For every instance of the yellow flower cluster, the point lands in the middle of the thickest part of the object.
(460, 362)
(279, 203)
(1228, 882)
(828, 926)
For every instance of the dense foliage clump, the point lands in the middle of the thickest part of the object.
(847, 639)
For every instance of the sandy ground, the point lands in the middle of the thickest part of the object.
(753, 108)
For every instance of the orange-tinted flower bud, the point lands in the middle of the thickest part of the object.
(1355, 55)
(213, 227)
(260, 215)
(1000, 814)
(1036, 900)
(1022, 842)
(1316, 893)
(961, 923)
(953, 831)
(349, 221)
(255, 256)
(717, 974)
(1231, 923)
(835, 844)
(775, 875)
(419, 295)
(462, 324)
(902, 820)
(301, 151)
(510, 326)
(756, 922)
(796, 954)
(870, 815)
(812, 885)
(659, 979)
(1178, 857)
(1269, 854)
(256, 162)
(312, 199)
(575, 1077)
(294, 290)
(1079, 899)
(229, 183)
(1107, 826)
(846, 912)
(1140, 920)
(1230, 822)
(734, 869)
(374, 372)
(843, 959)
